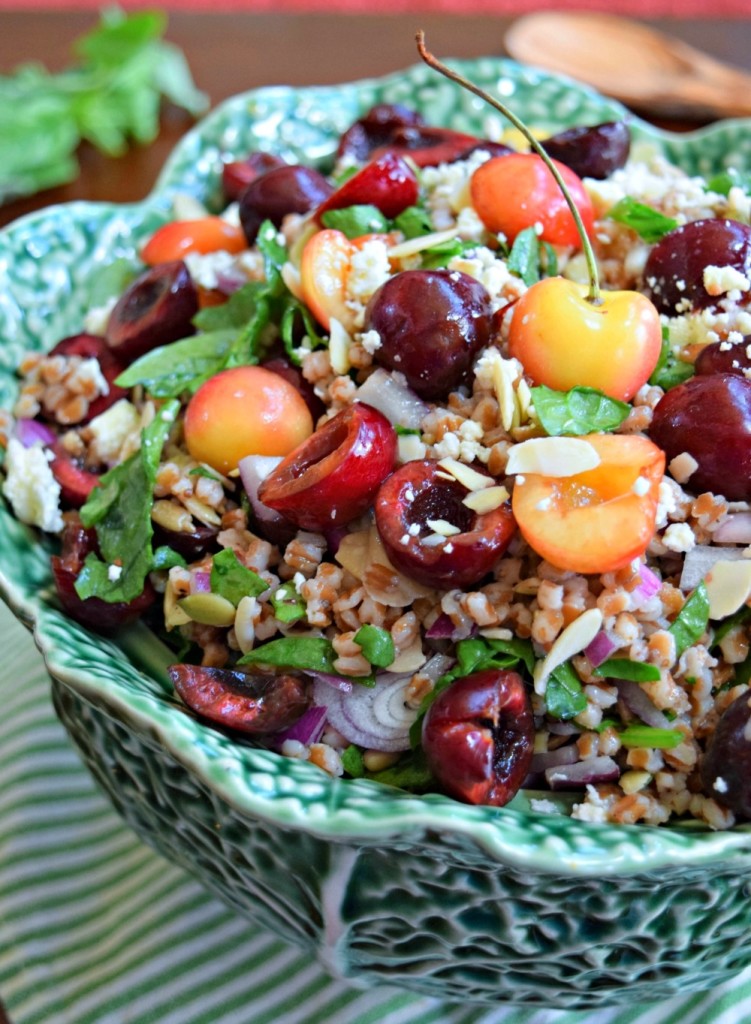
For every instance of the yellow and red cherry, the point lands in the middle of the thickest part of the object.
(417, 495)
(245, 411)
(563, 339)
(388, 183)
(325, 267)
(514, 192)
(598, 520)
(333, 476)
(175, 240)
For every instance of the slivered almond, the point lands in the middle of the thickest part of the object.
(574, 638)
(444, 528)
(728, 587)
(486, 500)
(339, 343)
(496, 633)
(471, 479)
(414, 245)
(202, 512)
(552, 456)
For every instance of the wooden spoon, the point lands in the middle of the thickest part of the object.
(633, 63)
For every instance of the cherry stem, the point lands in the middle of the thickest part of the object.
(589, 256)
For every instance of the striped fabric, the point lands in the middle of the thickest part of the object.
(95, 928)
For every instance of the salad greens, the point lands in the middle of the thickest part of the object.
(649, 224)
(109, 96)
(581, 410)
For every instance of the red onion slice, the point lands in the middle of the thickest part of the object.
(583, 773)
(553, 758)
(736, 529)
(29, 432)
(563, 728)
(307, 729)
(649, 586)
(253, 471)
(444, 629)
(600, 649)
(639, 703)
(390, 395)
(374, 717)
(200, 582)
(340, 683)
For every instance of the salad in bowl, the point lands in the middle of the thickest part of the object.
(416, 471)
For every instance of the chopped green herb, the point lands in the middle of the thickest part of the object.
(120, 509)
(410, 772)
(287, 604)
(606, 723)
(202, 471)
(232, 580)
(294, 313)
(406, 431)
(414, 222)
(623, 668)
(352, 762)
(649, 736)
(692, 620)
(440, 255)
(355, 221)
(727, 625)
(524, 258)
(649, 224)
(166, 557)
(670, 371)
(376, 644)
(109, 96)
(732, 178)
(308, 653)
(564, 697)
(581, 410)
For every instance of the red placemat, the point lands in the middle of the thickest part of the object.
(637, 8)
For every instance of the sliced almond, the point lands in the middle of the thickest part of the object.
(633, 781)
(412, 246)
(574, 638)
(409, 660)
(208, 609)
(504, 389)
(728, 587)
(552, 456)
(411, 448)
(486, 501)
(443, 527)
(352, 553)
(202, 512)
(467, 476)
(497, 633)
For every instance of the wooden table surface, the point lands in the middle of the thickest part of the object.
(229, 53)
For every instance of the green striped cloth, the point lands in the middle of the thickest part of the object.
(95, 928)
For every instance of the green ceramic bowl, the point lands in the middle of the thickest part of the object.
(463, 903)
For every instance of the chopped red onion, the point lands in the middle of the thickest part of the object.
(701, 559)
(341, 683)
(736, 529)
(444, 629)
(200, 582)
(649, 586)
(253, 471)
(29, 432)
(563, 728)
(375, 717)
(583, 773)
(307, 729)
(600, 649)
(390, 394)
(639, 703)
(230, 280)
(553, 758)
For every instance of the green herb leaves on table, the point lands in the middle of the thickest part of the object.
(108, 97)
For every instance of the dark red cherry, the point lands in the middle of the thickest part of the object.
(289, 189)
(485, 146)
(478, 737)
(156, 309)
(375, 128)
(722, 357)
(427, 146)
(417, 494)
(254, 704)
(710, 418)
(93, 346)
(432, 323)
(238, 174)
(592, 152)
(388, 183)
(192, 546)
(674, 272)
(76, 483)
(726, 769)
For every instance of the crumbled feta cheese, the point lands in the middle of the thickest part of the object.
(207, 269)
(371, 341)
(31, 488)
(114, 572)
(640, 486)
(298, 579)
(682, 466)
(369, 268)
(679, 537)
(718, 280)
(111, 430)
(720, 785)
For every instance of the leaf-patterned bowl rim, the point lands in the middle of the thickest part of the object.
(45, 298)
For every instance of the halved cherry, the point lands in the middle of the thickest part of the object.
(325, 267)
(388, 183)
(93, 346)
(427, 146)
(599, 520)
(94, 613)
(375, 128)
(254, 704)
(76, 483)
(333, 477)
(418, 495)
(478, 737)
(238, 174)
(175, 240)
